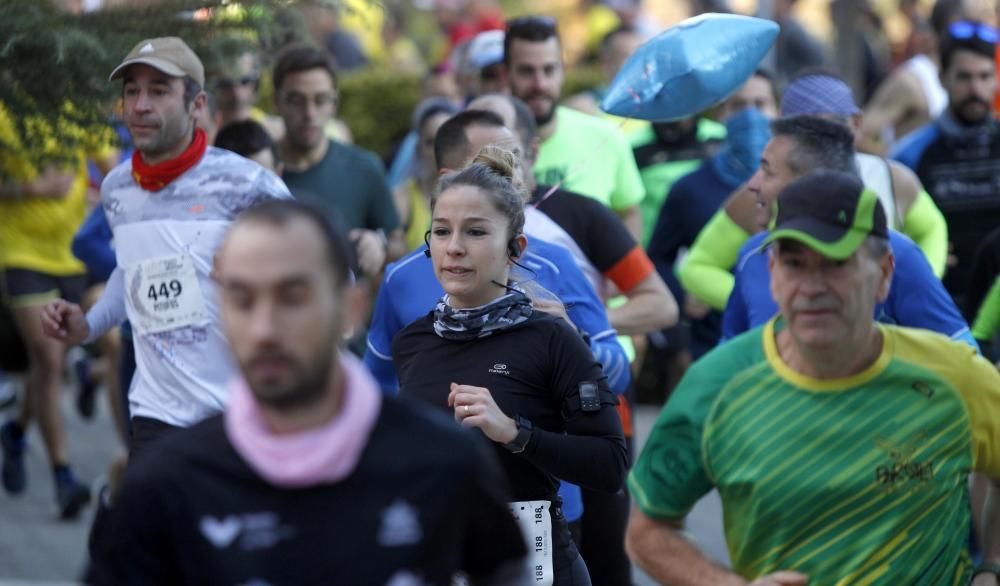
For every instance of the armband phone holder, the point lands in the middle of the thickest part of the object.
(590, 399)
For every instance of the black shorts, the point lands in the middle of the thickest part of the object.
(25, 288)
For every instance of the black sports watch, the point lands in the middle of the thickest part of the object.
(520, 441)
(986, 568)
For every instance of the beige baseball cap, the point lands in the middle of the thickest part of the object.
(171, 55)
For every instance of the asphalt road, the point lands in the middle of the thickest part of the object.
(37, 549)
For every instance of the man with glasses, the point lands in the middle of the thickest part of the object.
(957, 156)
(578, 152)
(342, 179)
(236, 88)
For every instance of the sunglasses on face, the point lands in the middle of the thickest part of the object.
(967, 30)
(226, 83)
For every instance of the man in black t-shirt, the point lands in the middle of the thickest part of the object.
(310, 476)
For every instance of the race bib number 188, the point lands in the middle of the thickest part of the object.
(535, 521)
(165, 294)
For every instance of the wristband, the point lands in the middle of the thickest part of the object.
(520, 441)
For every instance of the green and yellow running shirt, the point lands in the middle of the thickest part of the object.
(854, 481)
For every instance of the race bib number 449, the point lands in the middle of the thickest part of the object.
(165, 294)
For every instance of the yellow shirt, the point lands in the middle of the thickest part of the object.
(36, 234)
(420, 216)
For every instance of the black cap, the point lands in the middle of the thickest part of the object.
(831, 212)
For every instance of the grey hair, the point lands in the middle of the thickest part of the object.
(191, 90)
(877, 247)
(819, 144)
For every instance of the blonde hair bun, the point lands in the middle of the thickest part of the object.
(497, 159)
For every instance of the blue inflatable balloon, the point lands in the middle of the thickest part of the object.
(689, 67)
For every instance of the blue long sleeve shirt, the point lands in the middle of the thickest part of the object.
(92, 245)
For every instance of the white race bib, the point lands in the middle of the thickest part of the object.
(536, 525)
(165, 294)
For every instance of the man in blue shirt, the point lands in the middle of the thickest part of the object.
(801, 145)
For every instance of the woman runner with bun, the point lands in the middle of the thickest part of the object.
(524, 378)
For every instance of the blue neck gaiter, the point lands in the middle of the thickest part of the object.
(747, 133)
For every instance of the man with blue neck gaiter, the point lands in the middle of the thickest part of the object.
(691, 203)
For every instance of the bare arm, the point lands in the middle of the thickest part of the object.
(990, 533)
(650, 307)
(895, 100)
(905, 187)
(632, 219)
(659, 548)
(991, 522)
(396, 245)
(51, 183)
(741, 207)
(662, 552)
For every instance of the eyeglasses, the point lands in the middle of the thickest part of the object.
(320, 101)
(532, 21)
(966, 30)
(226, 83)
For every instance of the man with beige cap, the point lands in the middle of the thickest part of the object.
(169, 207)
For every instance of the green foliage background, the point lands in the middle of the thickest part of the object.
(376, 105)
(50, 58)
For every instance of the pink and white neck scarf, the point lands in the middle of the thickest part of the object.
(322, 455)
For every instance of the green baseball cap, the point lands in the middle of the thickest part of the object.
(831, 212)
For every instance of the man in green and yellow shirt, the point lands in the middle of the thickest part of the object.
(841, 448)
